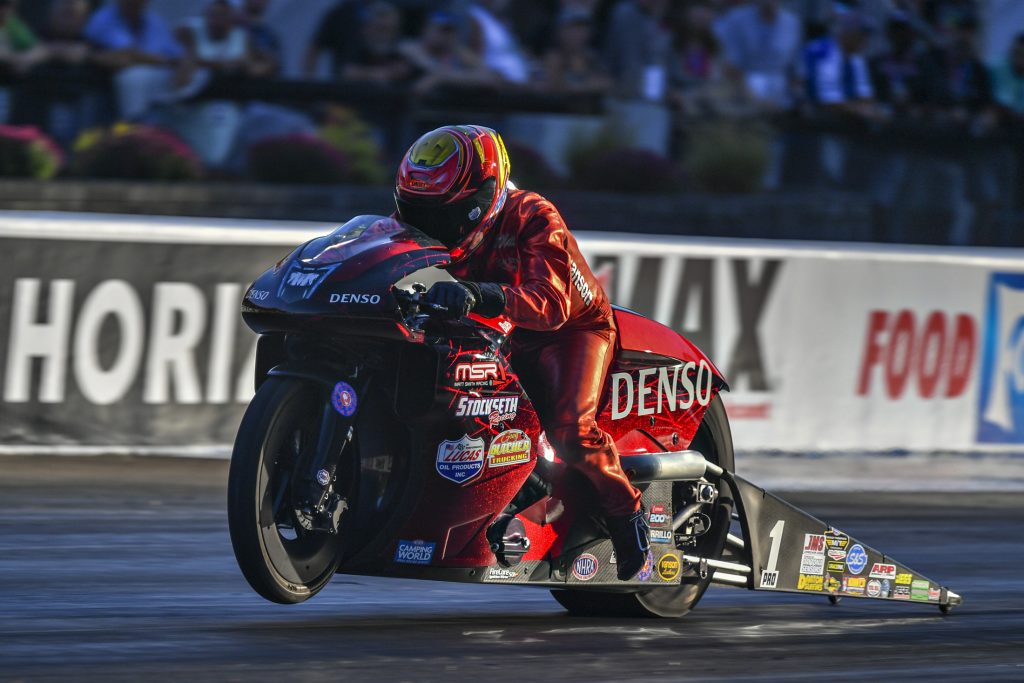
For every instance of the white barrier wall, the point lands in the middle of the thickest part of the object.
(125, 332)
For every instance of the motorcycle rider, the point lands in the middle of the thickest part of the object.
(512, 254)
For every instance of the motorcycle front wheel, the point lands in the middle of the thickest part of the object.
(283, 559)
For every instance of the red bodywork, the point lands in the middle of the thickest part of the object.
(658, 388)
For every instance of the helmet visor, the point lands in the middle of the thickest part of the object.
(450, 224)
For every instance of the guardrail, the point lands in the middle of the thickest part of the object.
(122, 334)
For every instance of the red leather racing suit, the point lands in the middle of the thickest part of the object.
(565, 335)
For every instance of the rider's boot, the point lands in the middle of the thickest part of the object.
(631, 538)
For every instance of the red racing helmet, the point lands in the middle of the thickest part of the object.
(451, 185)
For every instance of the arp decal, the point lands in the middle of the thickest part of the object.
(511, 447)
(658, 389)
(462, 460)
(584, 567)
(414, 552)
(1001, 389)
(882, 571)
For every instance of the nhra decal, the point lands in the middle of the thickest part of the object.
(462, 460)
(655, 389)
(414, 552)
(584, 567)
(502, 409)
(511, 447)
(477, 375)
(1001, 391)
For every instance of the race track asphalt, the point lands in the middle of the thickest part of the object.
(120, 569)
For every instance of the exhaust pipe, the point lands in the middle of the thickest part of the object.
(678, 466)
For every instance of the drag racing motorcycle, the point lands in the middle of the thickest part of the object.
(384, 440)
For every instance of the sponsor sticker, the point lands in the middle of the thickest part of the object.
(584, 567)
(478, 374)
(837, 567)
(414, 552)
(495, 408)
(810, 583)
(661, 536)
(886, 588)
(854, 585)
(658, 516)
(882, 571)
(874, 588)
(919, 590)
(904, 579)
(836, 540)
(770, 579)
(856, 559)
(655, 390)
(462, 460)
(1000, 414)
(812, 561)
(901, 592)
(833, 584)
(837, 554)
(343, 399)
(258, 295)
(354, 298)
(669, 567)
(511, 447)
(933, 594)
(500, 574)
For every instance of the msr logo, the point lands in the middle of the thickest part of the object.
(478, 374)
(1001, 395)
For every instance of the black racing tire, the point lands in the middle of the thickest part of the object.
(714, 440)
(282, 570)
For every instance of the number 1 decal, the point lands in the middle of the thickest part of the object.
(770, 574)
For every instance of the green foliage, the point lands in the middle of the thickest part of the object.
(354, 139)
(26, 152)
(135, 152)
(728, 157)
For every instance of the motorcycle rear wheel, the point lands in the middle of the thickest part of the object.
(714, 441)
(280, 559)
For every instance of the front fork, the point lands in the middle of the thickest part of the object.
(322, 506)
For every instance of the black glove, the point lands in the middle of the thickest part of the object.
(486, 298)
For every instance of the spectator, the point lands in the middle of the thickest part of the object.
(378, 59)
(957, 85)
(442, 59)
(573, 67)
(138, 45)
(838, 78)
(215, 41)
(896, 73)
(639, 49)
(337, 36)
(20, 50)
(699, 85)
(761, 45)
(492, 39)
(65, 33)
(1008, 80)
(264, 42)
(76, 104)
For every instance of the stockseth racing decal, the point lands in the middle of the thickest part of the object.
(496, 410)
(511, 447)
(414, 552)
(462, 460)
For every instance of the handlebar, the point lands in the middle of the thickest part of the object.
(415, 317)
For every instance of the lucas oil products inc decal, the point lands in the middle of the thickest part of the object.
(461, 460)
(414, 552)
(497, 409)
(511, 447)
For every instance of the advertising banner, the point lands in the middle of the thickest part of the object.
(125, 333)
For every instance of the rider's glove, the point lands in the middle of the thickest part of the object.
(460, 297)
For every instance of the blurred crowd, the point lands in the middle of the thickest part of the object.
(870, 60)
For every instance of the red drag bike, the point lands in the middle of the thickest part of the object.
(386, 441)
